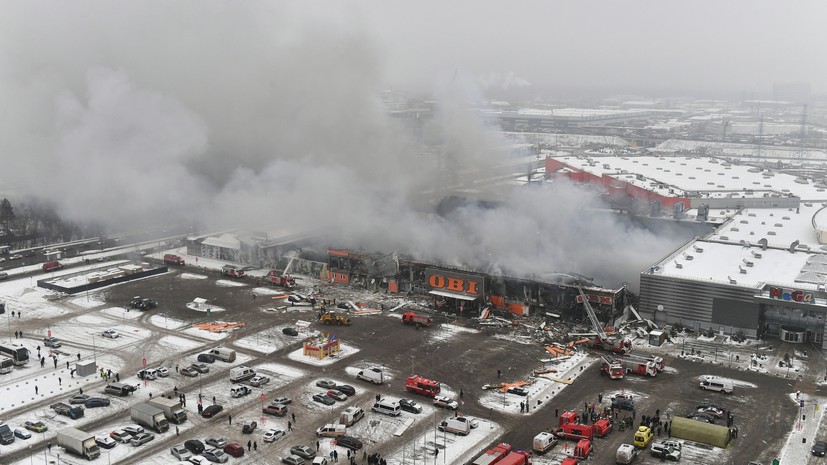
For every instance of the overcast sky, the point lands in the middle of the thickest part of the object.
(249, 114)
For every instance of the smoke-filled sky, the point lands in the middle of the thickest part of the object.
(268, 114)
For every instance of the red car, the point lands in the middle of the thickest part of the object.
(235, 449)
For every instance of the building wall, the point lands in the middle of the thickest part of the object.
(693, 303)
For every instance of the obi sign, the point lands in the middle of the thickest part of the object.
(793, 295)
(455, 283)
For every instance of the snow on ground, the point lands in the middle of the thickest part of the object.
(228, 283)
(448, 331)
(268, 291)
(87, 302)
(191, 276)
(204, 334)
(162, 321)
(122, 312)
(270, 340)
(345, 351)
(425, 439)
(794, 451)
(205, 307)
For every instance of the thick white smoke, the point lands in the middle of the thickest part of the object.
(261, 115)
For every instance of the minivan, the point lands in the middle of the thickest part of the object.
(119, 389)
(387, 407)
(223, 354)
(331, 430)
(373, 374)
(6, 434)
(714, 383)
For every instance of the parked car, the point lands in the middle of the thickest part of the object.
(110, 333)
(78, 399)
(281, 400)
(305, 452)
(52, 342)
(277, 410)
(133, 429)
(3, 275)
(200, 367)
(520, 391)
(346, 389)
(349, 442)
(212, 410)
(206, 358)
(162, 372)
(248, 426)
(198, 460)
(711, 409)
(180, 452)
(215, 455)
(409, 405)
(218, 442)
(446, 402)
(259, 380)
(340, 396)
(105, 442)
(292, 460)
(323, 398)
(669, 449)
(141, 439)
(819, 449)
(36, 426)
(290, 332)
(120, 436)
(188, 371)
(235, 449)
(93, 402)
(273, 435)
(194, 445)
(701, 417)
(326, 384)
(22, 433)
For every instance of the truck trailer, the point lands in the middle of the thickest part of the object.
(79, 443)
(149, 416)
(172, 409)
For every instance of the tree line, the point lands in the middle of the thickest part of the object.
(31, 223)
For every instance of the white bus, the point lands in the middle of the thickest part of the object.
(16, 352)
(6, 365)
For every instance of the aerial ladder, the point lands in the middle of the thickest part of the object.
(603, 340)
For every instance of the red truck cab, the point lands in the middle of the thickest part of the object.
(172, 259)
(51, 266)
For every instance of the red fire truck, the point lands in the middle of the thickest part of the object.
(171, 259)
(519, 457)
(411, 318)
(571, 428)
(492, 456)
(277, 279)
(611, 367)
(424, 386)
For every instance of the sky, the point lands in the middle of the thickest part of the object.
(254, 114)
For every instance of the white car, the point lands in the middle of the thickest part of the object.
(273, 435)
(446, 402)
(163, 372)
(259, 380)
(110, 333)
(180, 452)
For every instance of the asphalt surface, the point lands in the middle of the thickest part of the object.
(466, 361)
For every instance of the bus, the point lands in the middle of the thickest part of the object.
(6, 365)
(16, 352)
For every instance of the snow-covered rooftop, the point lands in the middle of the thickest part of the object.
(779, 226)
(227, 241)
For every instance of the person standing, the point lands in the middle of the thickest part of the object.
(255, 445)
(249, 446)
(230, 419)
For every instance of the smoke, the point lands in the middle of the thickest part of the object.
(268, 116)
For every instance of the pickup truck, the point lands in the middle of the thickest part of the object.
(72, 411)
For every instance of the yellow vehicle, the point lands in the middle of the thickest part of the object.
(334, 319)
(643, 437)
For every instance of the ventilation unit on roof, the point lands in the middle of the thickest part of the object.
(750, 214)
(724, 238)
(793, 246)
(678, 265)
(763, 242)
(785, 217)
(748, 263)
(770, 233)
(687, 256)
(752, 233)
(778, 225)
(732, 281)
(697, 249)
(733, 229)
(744, 222)
(755, 254)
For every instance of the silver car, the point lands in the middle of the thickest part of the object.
(141, 439)
(180, 452)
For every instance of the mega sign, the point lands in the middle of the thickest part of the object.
(457, 283)
(794, 295)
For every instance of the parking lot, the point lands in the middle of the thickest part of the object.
(452, 351)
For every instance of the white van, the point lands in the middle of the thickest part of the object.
(372, 374)
(331, 430)
(241, 373)
(223, 354)
(387, 407)
(351, 415)
(715, 383)
(456, 425)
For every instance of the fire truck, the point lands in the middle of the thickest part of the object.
(282, 280)
(171, 259)
(494, 455)
(571, 428)
(519, 457)
(602, 340)
(638, 365)
(424, 386)
(411, 318)
(232, 271)
(611, 367)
